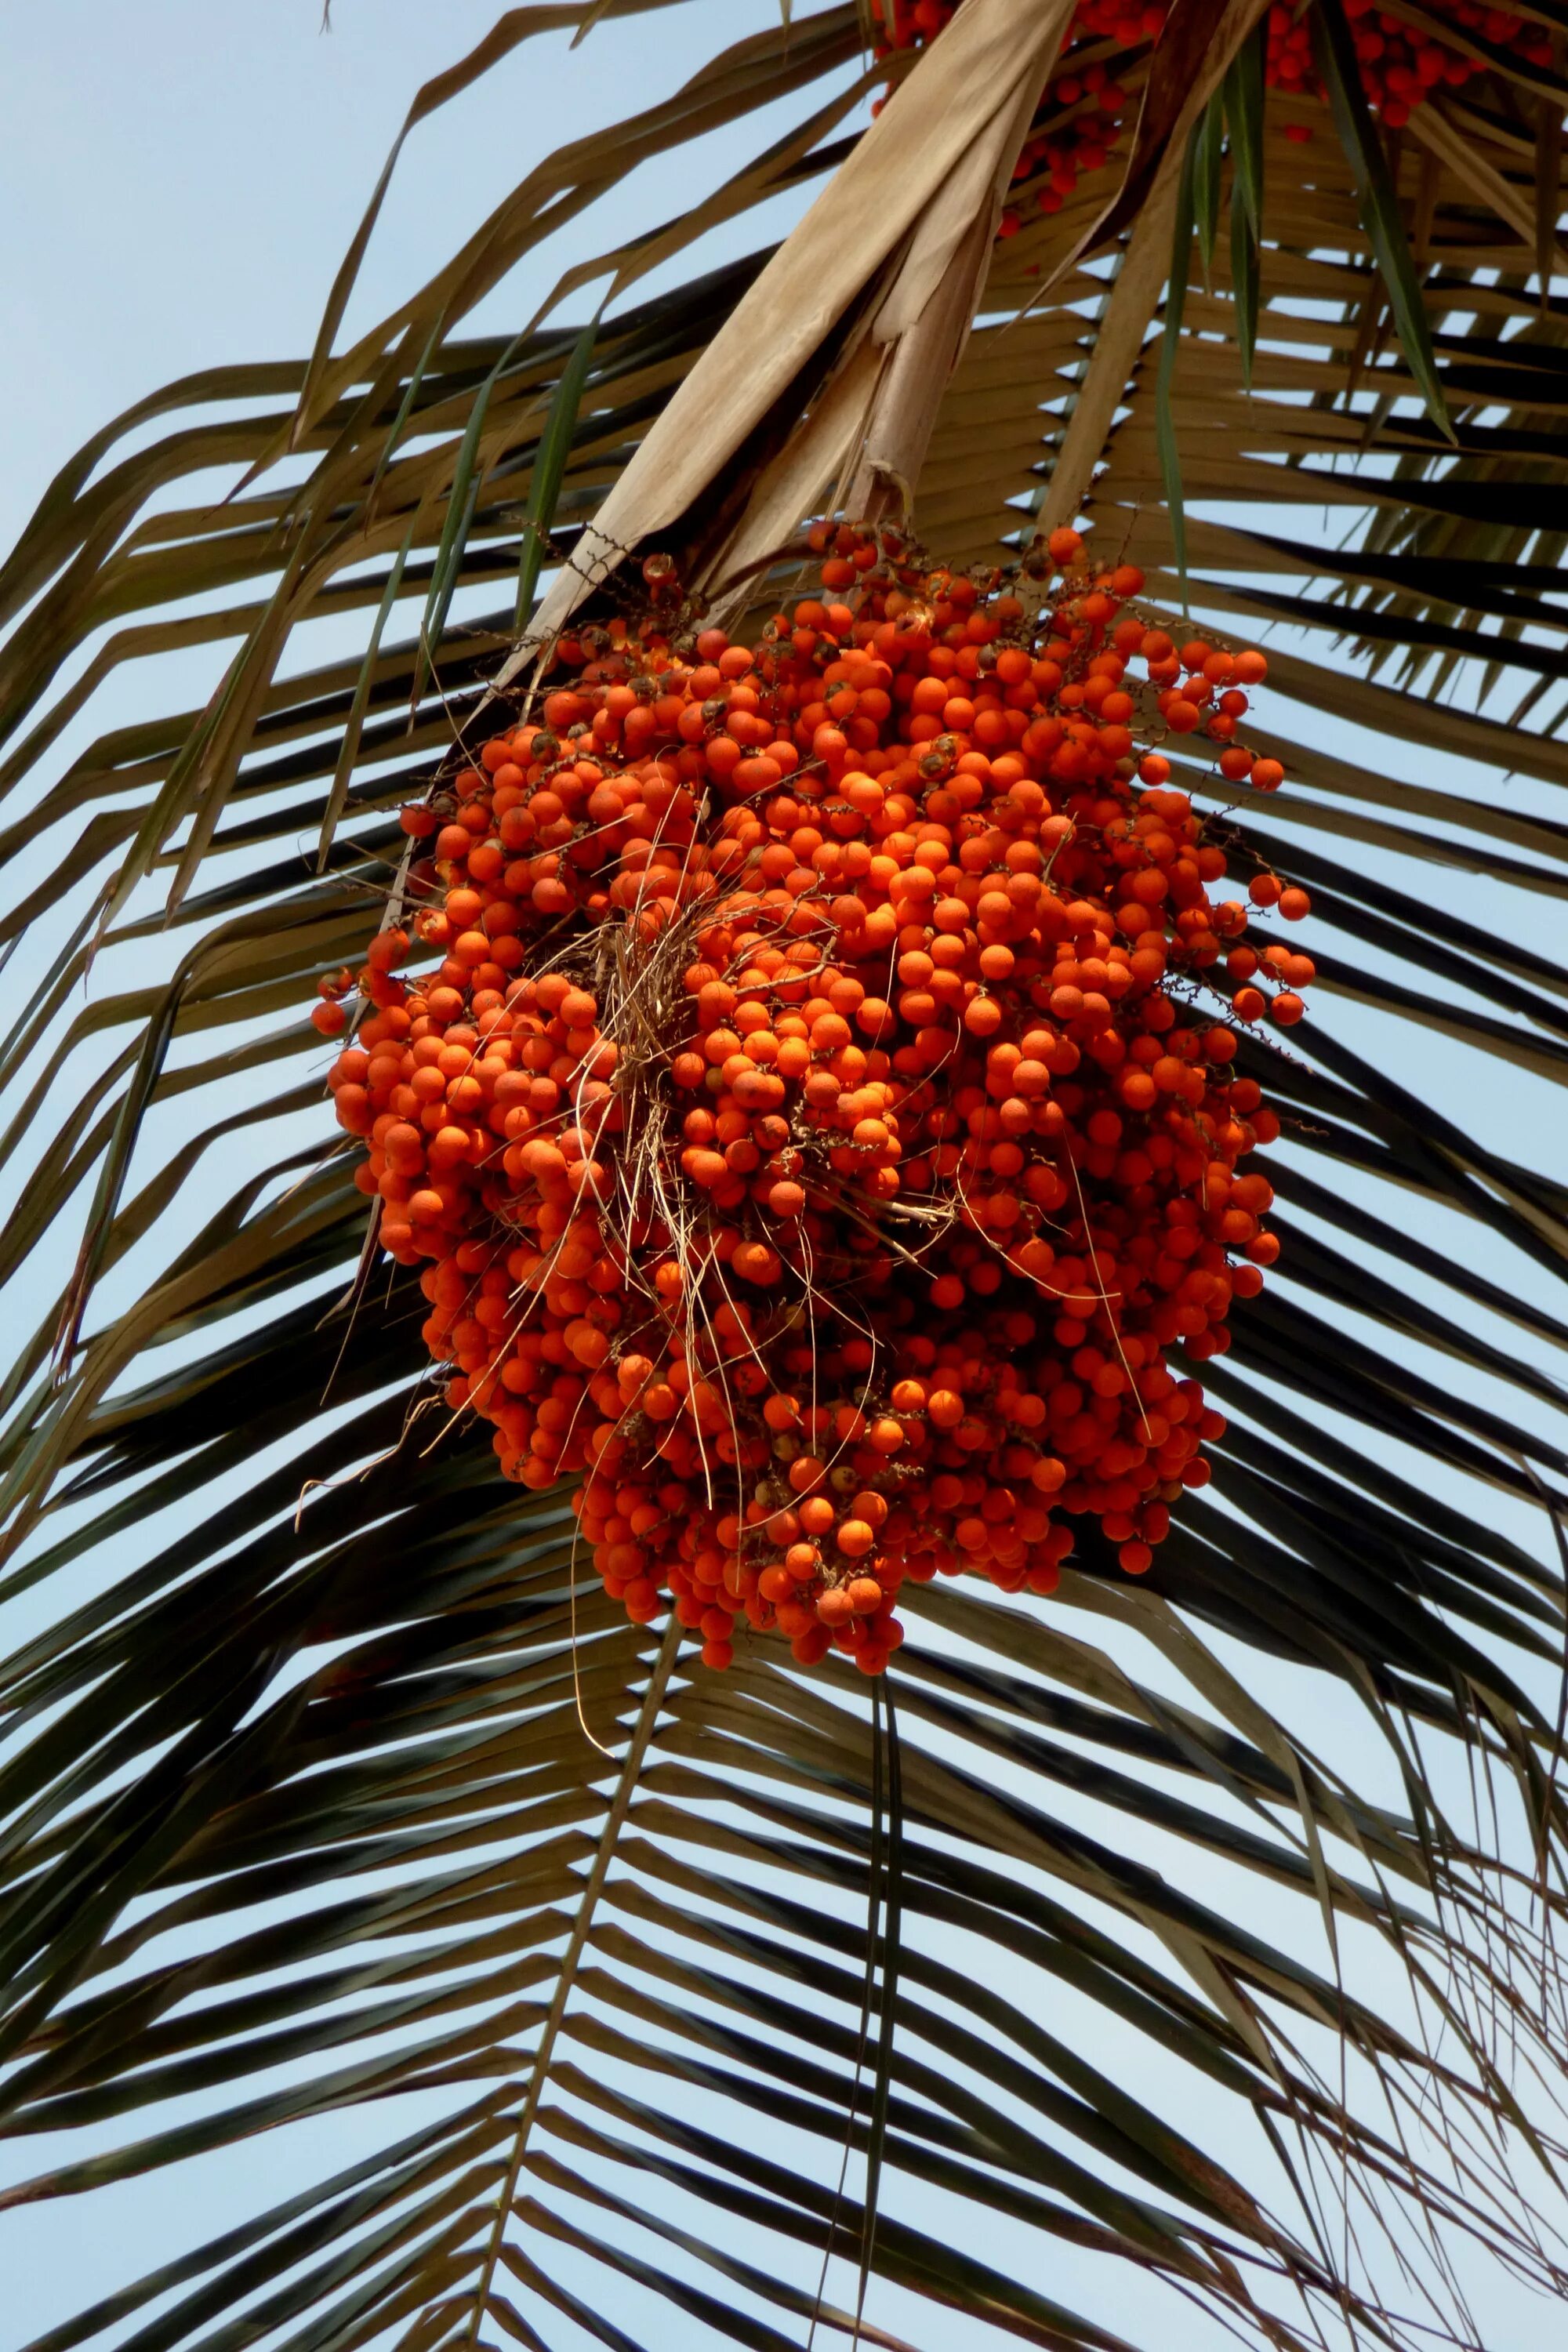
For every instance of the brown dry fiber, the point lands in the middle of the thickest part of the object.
(874, 418)
(892, 179)
(927, 316)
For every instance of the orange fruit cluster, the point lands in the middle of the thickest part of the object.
(817, 1122)
(1085, 103)
(1401, 64)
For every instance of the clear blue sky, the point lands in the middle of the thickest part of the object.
(181, 180)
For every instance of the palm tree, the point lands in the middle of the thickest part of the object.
(1170, 1956)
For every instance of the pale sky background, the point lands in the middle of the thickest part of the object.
(181, 180)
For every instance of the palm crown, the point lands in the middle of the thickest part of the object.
(336, 1786)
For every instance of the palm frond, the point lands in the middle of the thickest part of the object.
(336, 1806)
